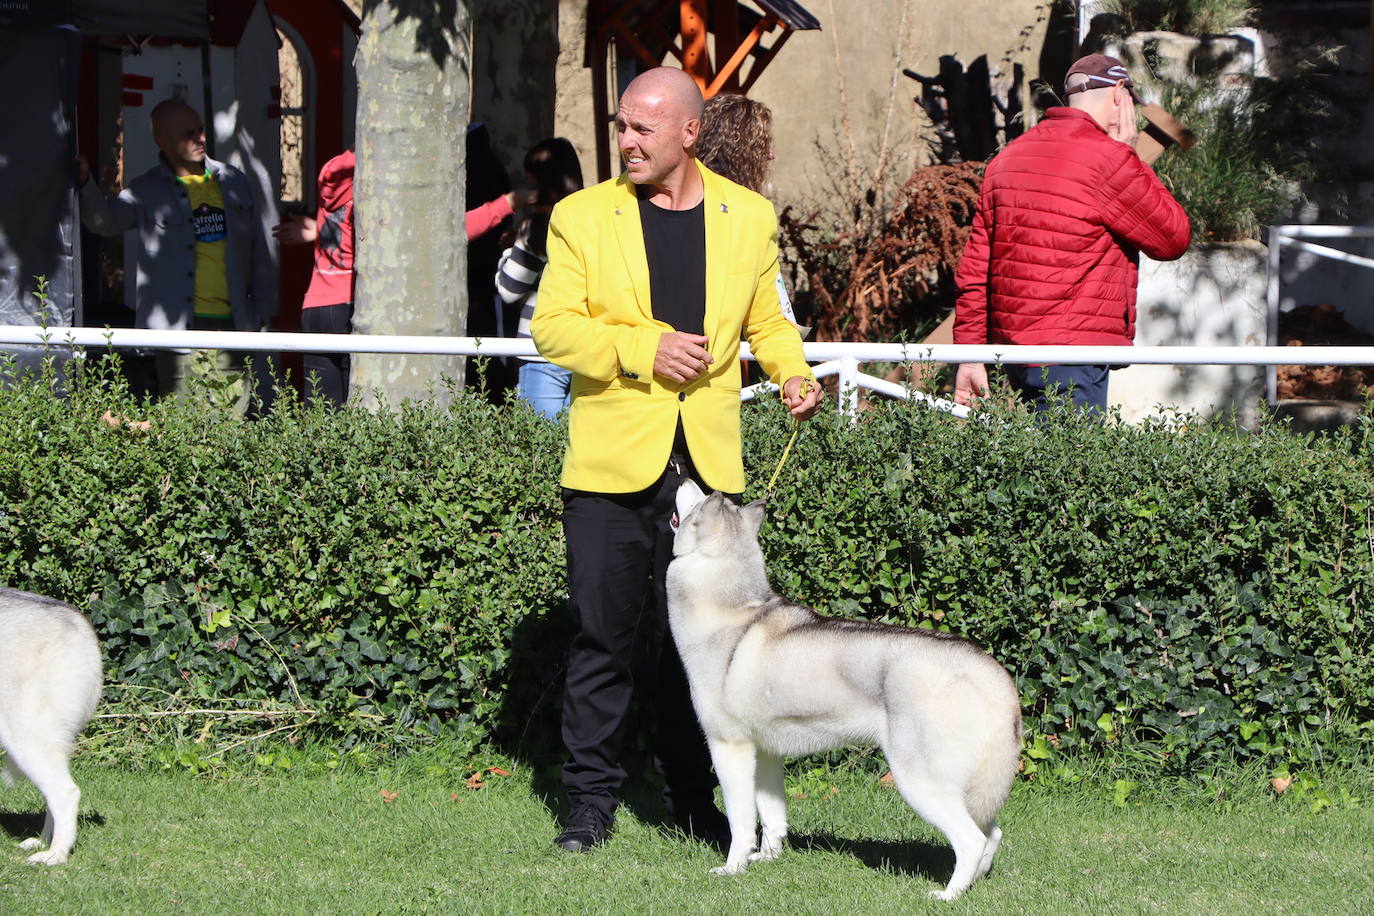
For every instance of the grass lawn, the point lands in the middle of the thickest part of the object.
(342, 842)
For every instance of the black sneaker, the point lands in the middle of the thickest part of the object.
(586, 826)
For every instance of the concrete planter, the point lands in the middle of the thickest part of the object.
(1212, 296)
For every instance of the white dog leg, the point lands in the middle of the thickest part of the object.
(50, 776)
(943, 808)
(734, 761)
(772, 804)
(949, 817)
(994, 841)
(44, 838)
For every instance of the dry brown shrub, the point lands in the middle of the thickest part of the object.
(895, 279)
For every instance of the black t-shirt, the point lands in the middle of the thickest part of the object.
(675, 241)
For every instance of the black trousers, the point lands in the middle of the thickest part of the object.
(619, 547)
(326, 374)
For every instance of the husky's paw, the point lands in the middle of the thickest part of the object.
(728, 869)
(944, 895)
(770, 848)
(32, 842)
(51, 857)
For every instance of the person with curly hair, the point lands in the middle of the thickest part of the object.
(736, 140)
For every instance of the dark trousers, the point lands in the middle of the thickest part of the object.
(326, 374)
(619, 547)
(1085, 386)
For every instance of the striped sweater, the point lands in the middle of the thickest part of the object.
(517, 279)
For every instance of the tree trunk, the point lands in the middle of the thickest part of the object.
(414, 70)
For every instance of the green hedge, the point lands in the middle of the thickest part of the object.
(1190, 593)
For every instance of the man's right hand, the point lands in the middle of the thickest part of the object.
(295, 229)
(970, 382)
(1125, 128)
(521, 198)
(681, 357)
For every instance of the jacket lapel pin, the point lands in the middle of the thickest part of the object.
(617, 211)
(724, 209)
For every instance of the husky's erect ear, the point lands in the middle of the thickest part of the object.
(753, 514)
(689, 496)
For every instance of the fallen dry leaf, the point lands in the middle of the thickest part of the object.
(1281, 784)
(887, 779)
(497, 771)
(475, 781)
(114, 421)
(390, 797)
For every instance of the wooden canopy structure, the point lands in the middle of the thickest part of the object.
(625, 37)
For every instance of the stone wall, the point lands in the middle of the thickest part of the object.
(849, 69)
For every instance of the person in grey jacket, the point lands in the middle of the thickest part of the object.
(204, 260)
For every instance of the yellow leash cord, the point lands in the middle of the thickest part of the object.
(796, 428)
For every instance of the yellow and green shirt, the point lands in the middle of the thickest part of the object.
(207, 217)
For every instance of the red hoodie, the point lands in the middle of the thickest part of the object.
(331, 283)
(1063, 214)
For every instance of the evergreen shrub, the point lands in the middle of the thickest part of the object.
(1194, 594)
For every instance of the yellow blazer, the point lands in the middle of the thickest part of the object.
(593, 315)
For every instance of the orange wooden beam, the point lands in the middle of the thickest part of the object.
(732, 66)
(760, 63)
(696, 59)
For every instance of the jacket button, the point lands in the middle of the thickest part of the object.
(682, 395)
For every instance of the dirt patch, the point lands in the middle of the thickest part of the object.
(1322, 326)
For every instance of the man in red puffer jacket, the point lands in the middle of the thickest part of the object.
(1064, 213)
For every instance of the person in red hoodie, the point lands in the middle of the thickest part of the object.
(328, 304)
(1064, 213)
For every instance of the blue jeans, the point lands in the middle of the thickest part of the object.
(1085, 386)
(546, 387)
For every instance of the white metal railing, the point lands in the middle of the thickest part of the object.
(838, 359)
(1296, 238)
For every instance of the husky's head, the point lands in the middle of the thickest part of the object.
(713, 525)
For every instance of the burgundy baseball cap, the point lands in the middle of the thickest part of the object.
(1101, 71)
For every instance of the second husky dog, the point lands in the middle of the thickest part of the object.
(769, 678)
(49, 684)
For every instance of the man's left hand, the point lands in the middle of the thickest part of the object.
(802, 396)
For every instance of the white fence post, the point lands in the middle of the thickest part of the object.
(849, 387)
(1271, 373)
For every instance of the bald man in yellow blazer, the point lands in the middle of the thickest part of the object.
(595, 317)
(653, 403)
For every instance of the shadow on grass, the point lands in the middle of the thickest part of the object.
(22, 825)
(527, 726)
(915, 858)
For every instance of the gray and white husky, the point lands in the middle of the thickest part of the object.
(49, 684)
(769, 678)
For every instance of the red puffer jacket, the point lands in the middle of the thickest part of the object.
(1052, 259)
